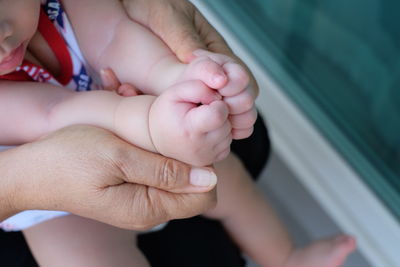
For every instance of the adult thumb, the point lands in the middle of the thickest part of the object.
(167, 174)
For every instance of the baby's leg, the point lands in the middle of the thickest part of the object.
(256, 228)
(77, 241)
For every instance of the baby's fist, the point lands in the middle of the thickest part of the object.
(189, 122)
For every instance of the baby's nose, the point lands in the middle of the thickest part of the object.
(5, 32)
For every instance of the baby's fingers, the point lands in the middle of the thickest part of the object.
(221, 133)
(195, 92)
(244, 120)
(223, 145)
(207, 71)
(238, 134)
(206, 118)
(240, 103)
(238, 79)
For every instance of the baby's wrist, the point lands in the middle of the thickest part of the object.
(164, 74)
(131, 121)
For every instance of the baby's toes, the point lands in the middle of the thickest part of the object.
(207, 118)
(208, 71)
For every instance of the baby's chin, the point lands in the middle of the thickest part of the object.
(12, 61)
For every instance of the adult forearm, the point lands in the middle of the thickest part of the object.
(10, 173)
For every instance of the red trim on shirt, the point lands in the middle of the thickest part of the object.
(21, 76)
(58, 46)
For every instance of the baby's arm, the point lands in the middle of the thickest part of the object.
(31, 110)
(188, 125)
(109, 38)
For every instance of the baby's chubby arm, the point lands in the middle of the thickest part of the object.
(189, 125)
(30, 110)
(108, 38)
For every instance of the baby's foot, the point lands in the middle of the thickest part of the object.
(323, 253)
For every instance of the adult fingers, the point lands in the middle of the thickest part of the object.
(109, 80)
(142, 207)
(211, 38)
(154, 170)
(174, 25)
(126, 89)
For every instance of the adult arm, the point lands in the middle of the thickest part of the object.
(92, 173)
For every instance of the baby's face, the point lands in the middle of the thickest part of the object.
(18, 23)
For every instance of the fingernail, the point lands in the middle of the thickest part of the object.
(202, 177)
(103, 72)
(105, 78)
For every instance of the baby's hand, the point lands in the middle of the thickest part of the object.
(189, 122)
(232, 82)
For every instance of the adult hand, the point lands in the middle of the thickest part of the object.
(92, 173)
(183, 28)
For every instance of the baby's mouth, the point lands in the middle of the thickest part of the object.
(14, 59)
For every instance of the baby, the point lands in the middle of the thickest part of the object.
(190, 112)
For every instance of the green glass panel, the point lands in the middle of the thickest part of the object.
(340, 62)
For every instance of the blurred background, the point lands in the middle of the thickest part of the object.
(329, 75)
